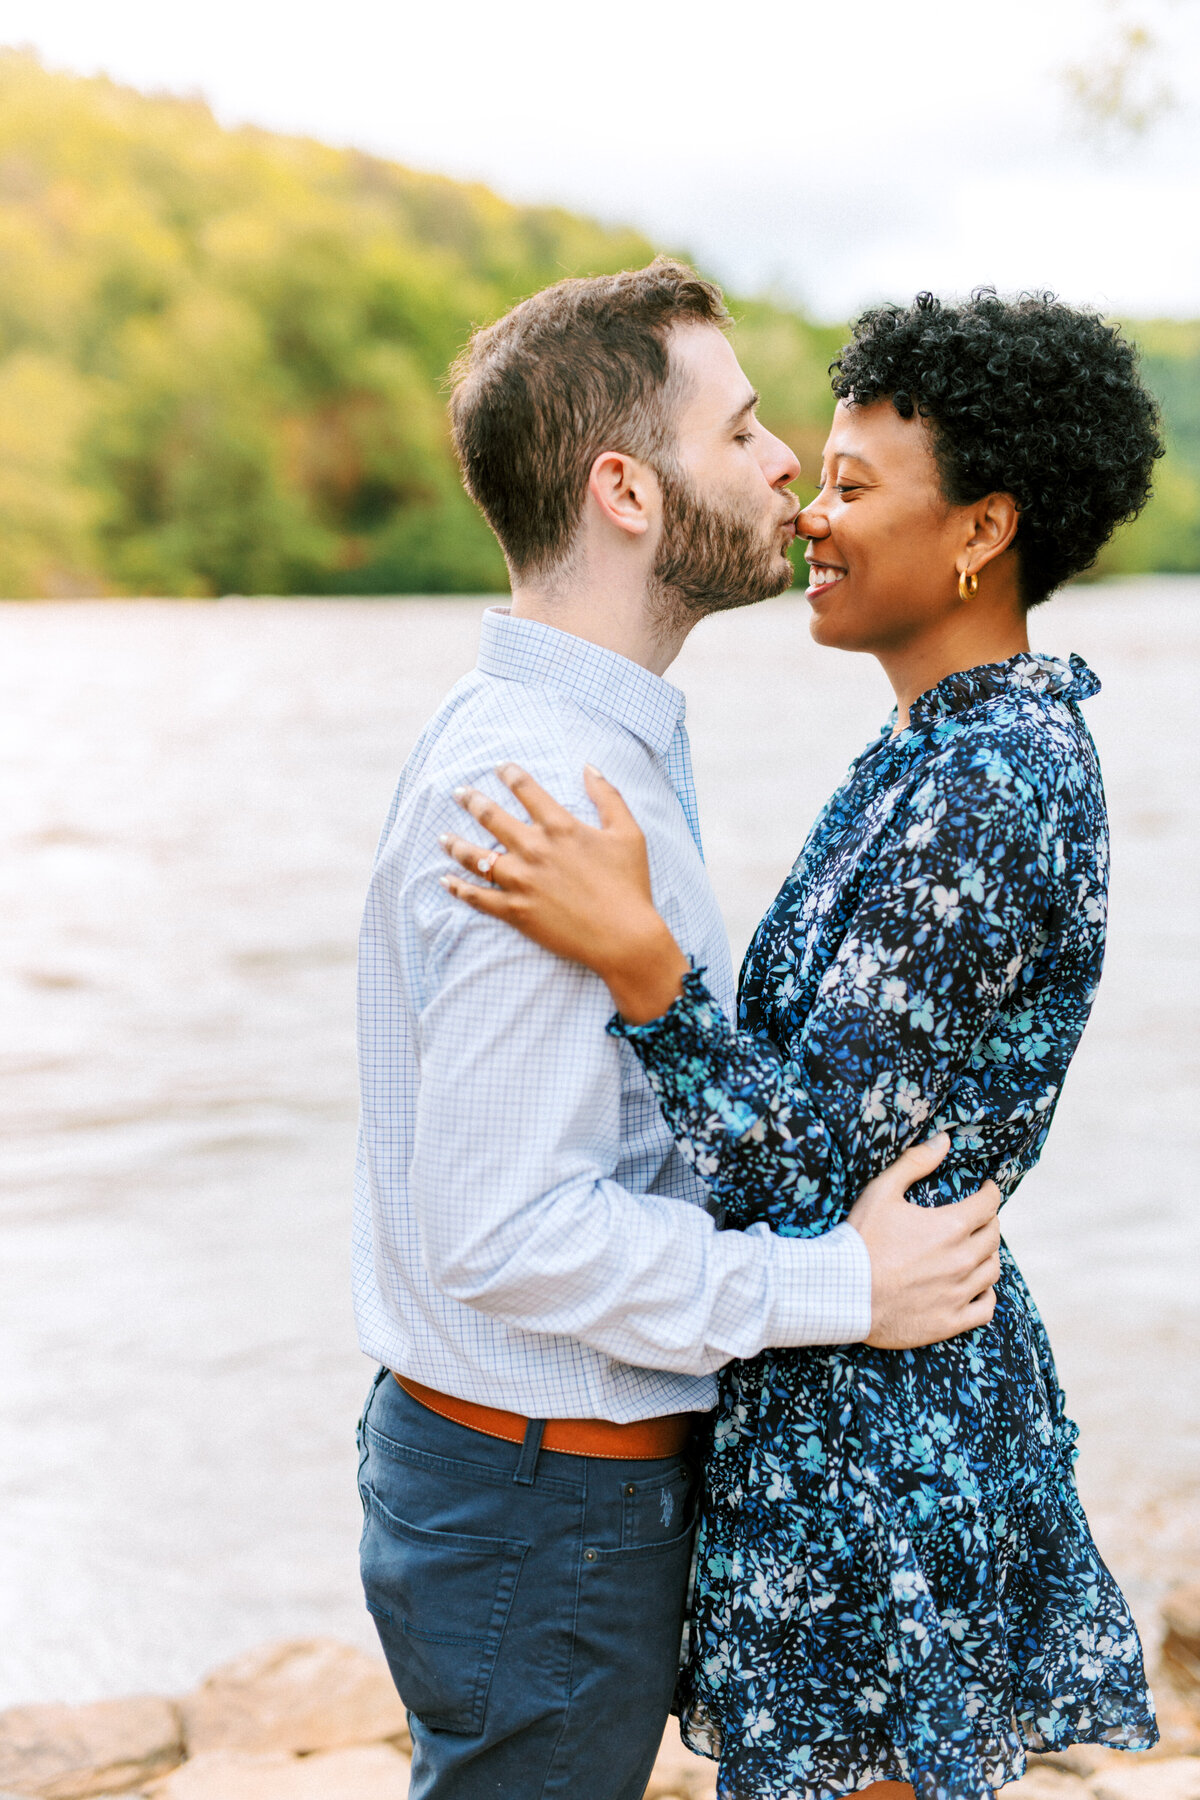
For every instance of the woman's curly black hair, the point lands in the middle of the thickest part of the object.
(1026, 397)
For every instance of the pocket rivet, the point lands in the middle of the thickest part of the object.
(630, 1489)
(589, 1556)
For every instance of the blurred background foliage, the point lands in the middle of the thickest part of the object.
(223, 355)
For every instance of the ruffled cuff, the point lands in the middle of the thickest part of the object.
(692, 1017)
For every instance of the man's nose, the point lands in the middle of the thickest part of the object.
(783, 463)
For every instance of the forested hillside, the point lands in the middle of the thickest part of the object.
(222, 356)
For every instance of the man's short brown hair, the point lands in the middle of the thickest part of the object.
(578, 369)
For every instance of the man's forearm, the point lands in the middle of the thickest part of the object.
(650, 1281)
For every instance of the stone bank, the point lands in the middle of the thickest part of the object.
(312, 1719)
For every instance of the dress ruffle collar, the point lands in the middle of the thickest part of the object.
(1028, 670)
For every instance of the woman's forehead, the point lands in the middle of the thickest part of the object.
(878, 438)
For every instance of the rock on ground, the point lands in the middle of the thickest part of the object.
(1181, 1644)
(1042, 1783)
(1079, 1759)
(678, 1773)
(373, 1772)
(302, 1695)
(71, 1752)
(1178, 1709)
(1176, 1779)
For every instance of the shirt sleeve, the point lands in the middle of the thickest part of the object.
(896, 1042)
(518, 1133)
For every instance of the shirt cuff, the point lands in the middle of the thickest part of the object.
(822, 1290)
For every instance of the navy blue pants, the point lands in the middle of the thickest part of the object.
(530, 1604)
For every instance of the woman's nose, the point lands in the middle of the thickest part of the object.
(811, 523)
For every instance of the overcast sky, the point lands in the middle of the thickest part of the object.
(836, 154)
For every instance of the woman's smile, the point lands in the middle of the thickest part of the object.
(822, 575)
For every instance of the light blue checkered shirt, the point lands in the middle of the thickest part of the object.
(526, 1234)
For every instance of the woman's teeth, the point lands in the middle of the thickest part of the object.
(819, 577)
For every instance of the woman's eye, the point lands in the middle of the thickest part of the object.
(846, 487)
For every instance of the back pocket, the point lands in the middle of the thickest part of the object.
(441, 1601)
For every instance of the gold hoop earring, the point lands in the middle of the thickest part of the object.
(968, 586)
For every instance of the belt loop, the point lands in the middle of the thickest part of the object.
(530, 1450)
(362, 1417)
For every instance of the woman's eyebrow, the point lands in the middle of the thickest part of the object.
(854, 456)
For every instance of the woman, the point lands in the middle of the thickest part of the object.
(896, 1582)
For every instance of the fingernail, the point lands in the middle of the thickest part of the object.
(506, 771)
(446, 882)
(461, 794)
(445, 840)
(591, 769)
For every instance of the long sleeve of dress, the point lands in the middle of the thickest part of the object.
(954, 908)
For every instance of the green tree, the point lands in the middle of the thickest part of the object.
(223, 356)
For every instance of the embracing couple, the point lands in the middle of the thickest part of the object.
(666, 1354)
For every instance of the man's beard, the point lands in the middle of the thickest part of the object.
(710, 558)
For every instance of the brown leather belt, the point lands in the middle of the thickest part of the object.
(641, 1441)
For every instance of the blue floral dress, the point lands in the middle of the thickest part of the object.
(895, 1578)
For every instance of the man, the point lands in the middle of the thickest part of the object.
(536, 1272)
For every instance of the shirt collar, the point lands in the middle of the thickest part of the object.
(598, 679)
(1027, 671)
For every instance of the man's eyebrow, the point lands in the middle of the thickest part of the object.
(748, 405)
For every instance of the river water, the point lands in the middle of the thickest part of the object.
(189, 799)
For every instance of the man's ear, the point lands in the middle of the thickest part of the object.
(625, 491)
(994, 523)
